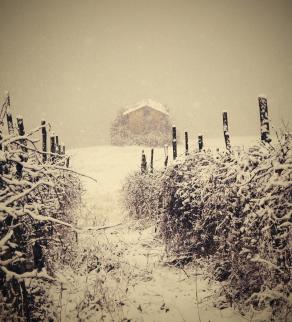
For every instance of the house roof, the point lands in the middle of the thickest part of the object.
(150, 103)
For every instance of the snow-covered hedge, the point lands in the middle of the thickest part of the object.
(142, 194)
(35, 226)
(234, 210)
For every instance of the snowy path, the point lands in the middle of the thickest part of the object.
(136, 284)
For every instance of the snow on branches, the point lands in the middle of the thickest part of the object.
(36, 198)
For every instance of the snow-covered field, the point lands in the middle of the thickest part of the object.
(135, 281)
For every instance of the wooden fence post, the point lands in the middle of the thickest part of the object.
(200, 142)
(67, 162)
(53, 147)
(57, 150)
(9, 117)
(8, 98)
(10, 123)
(143, 163)
(265, 127)
(20, 126)
(21, 132)
(174, 143)
(225, 131)
(19, 168)
(38, 254)
(1, 138)
(151, 160)
(166, 155)
(186, 143)
(44, 140)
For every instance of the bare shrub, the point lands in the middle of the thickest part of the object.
(36, 226)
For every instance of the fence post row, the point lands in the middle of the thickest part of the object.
(174, 143)
(225, 131)
(143, 163)
(265, 128)
(265, 134)
(186, 143)
(200, 142)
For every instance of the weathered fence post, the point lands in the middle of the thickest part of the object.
(21, 132)
(151, 161)
(143, 163)
(38, 253)
(265, 127)
(67, 162)
(166, 155)
(9, 117)
(44, 140)
(10, 122)
(8, 98)
(57, 150)
(186, 143)
(174, 143)
(200, 142)
(20, 126)
(225, 131)
(1, 138)
(53, 147)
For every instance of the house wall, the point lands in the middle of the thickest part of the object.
(145, 120)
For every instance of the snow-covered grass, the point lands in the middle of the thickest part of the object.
(119, 273)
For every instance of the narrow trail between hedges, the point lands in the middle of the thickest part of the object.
(138, 285)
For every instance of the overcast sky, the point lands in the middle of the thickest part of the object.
(76, 63)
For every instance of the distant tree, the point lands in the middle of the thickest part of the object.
(119, 130)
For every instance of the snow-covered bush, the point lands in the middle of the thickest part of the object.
(36, 224)
(235, 211)
(142, 194)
